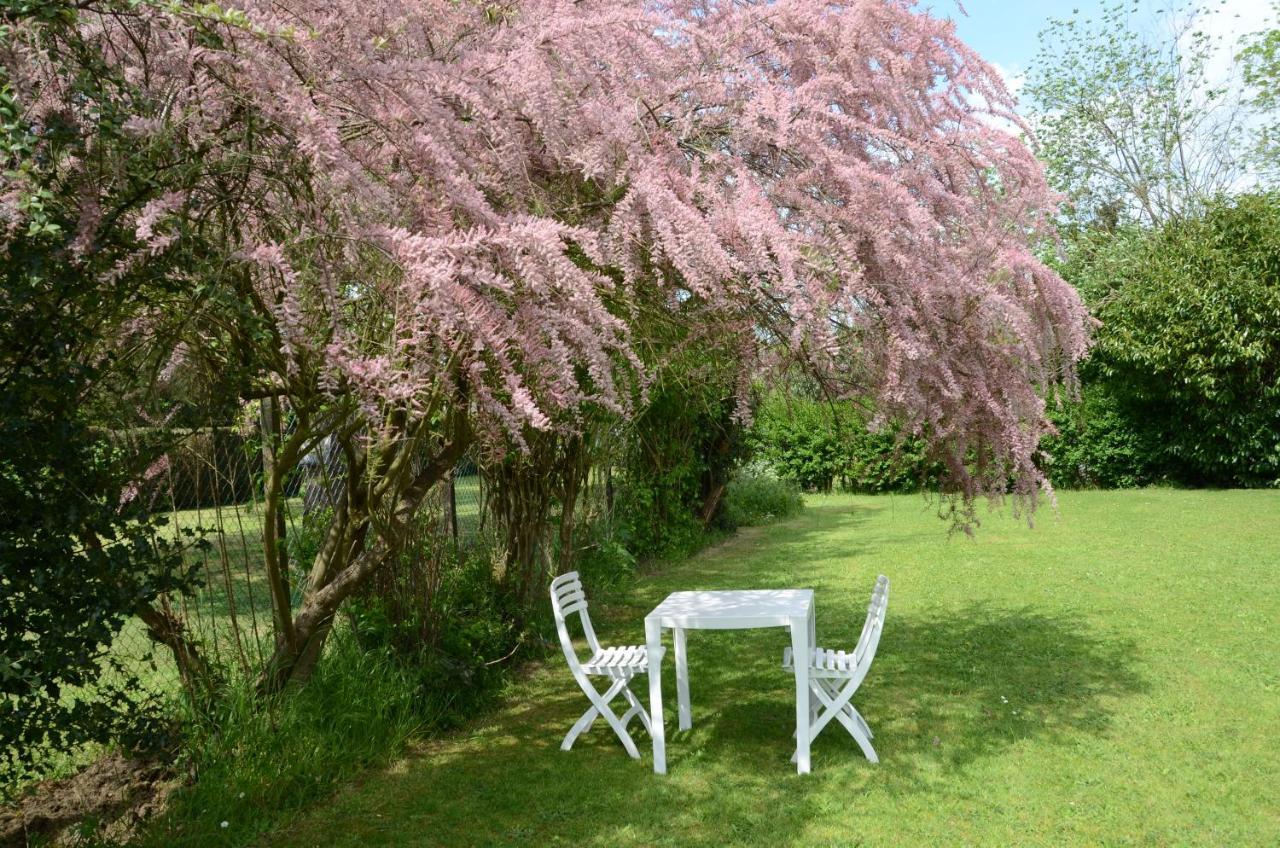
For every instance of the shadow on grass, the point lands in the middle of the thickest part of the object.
(948, 688)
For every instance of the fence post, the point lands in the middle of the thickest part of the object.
(451, 504)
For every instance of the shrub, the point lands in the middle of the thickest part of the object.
(1099, 445)
(820, 445)
(1189, 343)
(601, 557)
(442, 614)
(679, 457)
(803, 440)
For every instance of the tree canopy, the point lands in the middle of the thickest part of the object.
(439, 223)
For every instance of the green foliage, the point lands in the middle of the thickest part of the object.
(601, 557)
(445, 618)
(1099, 445)
(655, 513)
(680, 453)
(803, 440)
(1189, 344)
(76, 557)
(1261, 63)
(756, 496)
(820, 445)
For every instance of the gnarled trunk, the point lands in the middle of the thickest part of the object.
(356, 546)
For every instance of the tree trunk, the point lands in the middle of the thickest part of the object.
(711, 504)
(451, 505)
(346, 561)
(275, 549)
(167, 629)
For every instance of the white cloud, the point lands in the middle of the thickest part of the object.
(1228, 23)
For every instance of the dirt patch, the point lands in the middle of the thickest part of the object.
(104, 803)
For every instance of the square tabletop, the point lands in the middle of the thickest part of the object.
(735, 608)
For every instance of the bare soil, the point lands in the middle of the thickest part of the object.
(104, 803)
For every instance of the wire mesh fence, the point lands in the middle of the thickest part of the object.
(209, 487)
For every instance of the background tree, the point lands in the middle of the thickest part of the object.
(1128, 120)
(1261, 63)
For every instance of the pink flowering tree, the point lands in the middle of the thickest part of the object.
(447, 214)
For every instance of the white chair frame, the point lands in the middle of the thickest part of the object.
(834, 676)
(619, 664)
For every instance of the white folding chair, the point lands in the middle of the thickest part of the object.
(618, 664)
(835, 675)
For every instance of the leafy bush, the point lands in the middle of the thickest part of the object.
(601, 557)
(802, 440)
(1100, 446)
(1189, 342)
(756, 496)
(444, 616)
(820, 445)
(680, 454)
(653, 515)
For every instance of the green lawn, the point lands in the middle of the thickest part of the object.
(1109, 677)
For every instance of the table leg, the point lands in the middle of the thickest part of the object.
(653, 648)
(813, 643)
(682, 678)
(800, 650)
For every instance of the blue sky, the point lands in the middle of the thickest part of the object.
(1006, 32)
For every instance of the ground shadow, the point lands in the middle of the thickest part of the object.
(949, 687)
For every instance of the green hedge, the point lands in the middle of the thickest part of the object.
(1099, 445)
(1184, 381)
(821, 446)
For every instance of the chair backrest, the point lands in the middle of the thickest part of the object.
(874, 624)
(567, 599)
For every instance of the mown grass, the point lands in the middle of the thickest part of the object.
(1107, 678)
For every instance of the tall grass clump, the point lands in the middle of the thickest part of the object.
(258, 760)
(757, 497)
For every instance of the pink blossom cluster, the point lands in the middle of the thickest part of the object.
(507, 177)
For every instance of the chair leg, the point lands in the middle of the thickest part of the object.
(618, 728)
(637, 709)
(861, 738)
(836, 704)
(581, 726)
(862, 722)
(599, 707)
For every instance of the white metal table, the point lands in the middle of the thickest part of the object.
(727, 610)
